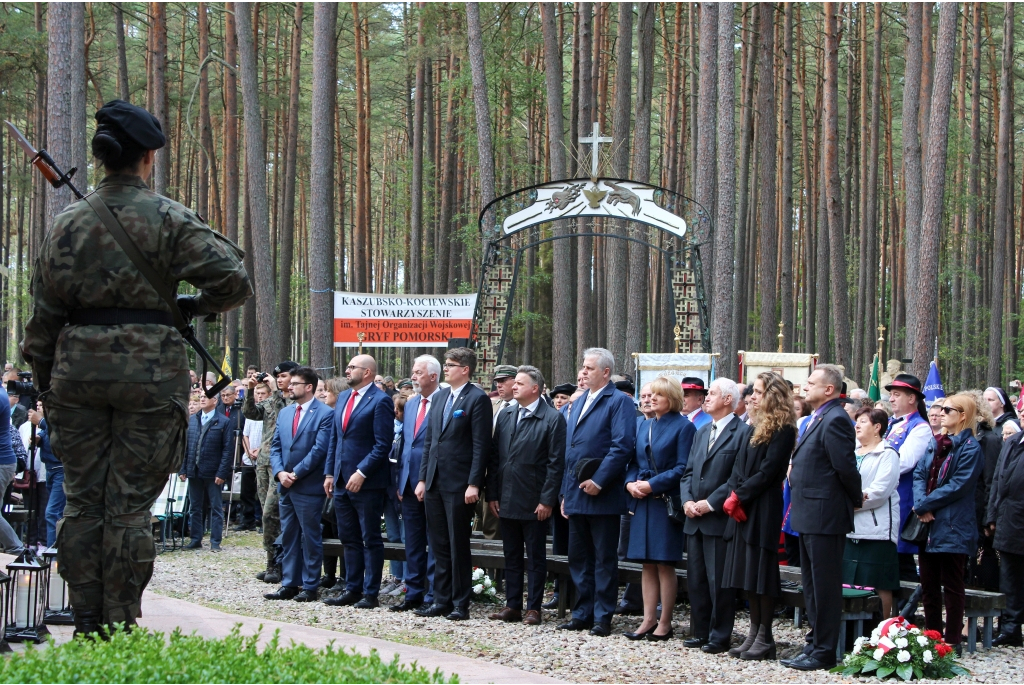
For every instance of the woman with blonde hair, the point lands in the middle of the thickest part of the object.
(653, 475)
(944, 498)
(755, 510)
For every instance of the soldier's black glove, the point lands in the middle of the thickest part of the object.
(190, 307)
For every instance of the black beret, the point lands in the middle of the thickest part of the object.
(134, 122)
(563, 389)
(285, 367)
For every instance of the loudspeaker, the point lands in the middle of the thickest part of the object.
(458, 342)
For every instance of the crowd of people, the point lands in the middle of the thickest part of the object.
(740, 478)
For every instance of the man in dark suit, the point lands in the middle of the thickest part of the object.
(704, 489)
(297, 454)
(419, 561)
(826, 489)
(600, 440)
(364, 428)
(524, 476)
(230, 408)
(455, 450)
(207, 467)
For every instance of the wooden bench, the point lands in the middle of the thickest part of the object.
(977, 604)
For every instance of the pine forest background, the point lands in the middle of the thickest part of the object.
(859, 161)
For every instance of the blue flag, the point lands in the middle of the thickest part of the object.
(933, 386)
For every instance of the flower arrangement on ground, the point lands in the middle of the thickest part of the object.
(483, 587)
(899, 649)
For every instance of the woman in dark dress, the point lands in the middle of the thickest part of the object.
(655, 540)
(755, 510)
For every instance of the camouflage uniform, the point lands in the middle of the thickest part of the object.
(266, 411)
(115, 396)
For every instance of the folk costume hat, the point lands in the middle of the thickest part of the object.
(693, 383)
(566, 389)
(625, 385)
(905, 381)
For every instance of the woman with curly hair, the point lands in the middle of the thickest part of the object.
(755, 510)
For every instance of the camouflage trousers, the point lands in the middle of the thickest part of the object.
(118, 442)
(266, 490)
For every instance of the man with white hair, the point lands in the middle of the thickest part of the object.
(599, 443)
(704, 489)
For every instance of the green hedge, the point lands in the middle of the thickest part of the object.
(147, 657)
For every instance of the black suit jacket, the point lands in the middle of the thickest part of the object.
(825, 480)
(526, 461)
(455, 456)
(707, 475)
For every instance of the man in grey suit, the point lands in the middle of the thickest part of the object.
(826, 489)
(704, 489)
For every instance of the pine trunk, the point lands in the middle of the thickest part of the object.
(912, 178)
(65, 101)
(787, 284)
(617, 272)
(1001, 219)
(767, 214)
(484, 147)
(158, 104)
(722, 318)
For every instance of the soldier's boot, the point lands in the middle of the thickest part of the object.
(87, 623)
(262, 575)
(87, 602)
(128, 540)
(273, 575)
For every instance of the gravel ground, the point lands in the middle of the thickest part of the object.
(226, 581)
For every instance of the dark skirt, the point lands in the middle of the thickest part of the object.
(751, 568)
(871, 563)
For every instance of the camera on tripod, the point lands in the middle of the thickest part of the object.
(24, 387)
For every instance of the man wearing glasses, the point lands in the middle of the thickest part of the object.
(357, 463)
(456, 446)
(297, 455)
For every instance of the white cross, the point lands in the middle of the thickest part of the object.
(594, 140)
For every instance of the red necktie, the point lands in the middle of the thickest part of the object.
(348, 411)
(419, 416)
(295, 421)
(227, 411)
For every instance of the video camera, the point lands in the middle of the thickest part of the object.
(23, 387)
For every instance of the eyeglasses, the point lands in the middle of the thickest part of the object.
(350, 367)
(452, 365)
(295, 384)
(949, 410)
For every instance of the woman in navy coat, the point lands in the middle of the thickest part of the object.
(662, 448)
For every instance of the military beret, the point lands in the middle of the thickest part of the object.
(285, 367)
(134, 122)
(505, 371)
(563, 389)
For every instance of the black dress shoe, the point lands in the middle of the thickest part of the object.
(195, 544)
(551, 603)
(629, 610)
(695, 642)
(576, 624)
(367, 602)
(713, 648)
(639, 635)
(793, 659)
(809, 663)
(305, 596)
(433, 610)
(1008, 640)
(405, 606)
(346, 599)
(458, 614)
(283, 593)
(244, 526)
(601, 630)
(654, 637)
(328, 582)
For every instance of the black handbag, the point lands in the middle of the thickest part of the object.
(673, 502)
(915, 531)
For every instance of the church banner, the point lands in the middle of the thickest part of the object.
(401, 320)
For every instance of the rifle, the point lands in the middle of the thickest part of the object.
(51, 172)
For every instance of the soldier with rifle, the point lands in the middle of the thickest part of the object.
(106, 344)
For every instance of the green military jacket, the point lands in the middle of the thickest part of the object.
(266, 411)
(81, 266)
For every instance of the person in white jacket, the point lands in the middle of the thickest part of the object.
(870, 559)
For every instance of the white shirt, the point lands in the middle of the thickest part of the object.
(358, 396)
(254, 431)
(305, 410)
(530, 410)
(456, 392)
(913, 448)
(591, 396)
(720, 424)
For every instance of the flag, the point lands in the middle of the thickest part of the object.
(226, 364)
(933, 386)
(873, 394)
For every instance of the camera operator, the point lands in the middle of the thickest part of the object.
(267, 411)
(8, 467)
(19, 413)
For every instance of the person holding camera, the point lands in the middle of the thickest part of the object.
(267, 411)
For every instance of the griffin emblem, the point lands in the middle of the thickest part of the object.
(565, 197)
(621, 194)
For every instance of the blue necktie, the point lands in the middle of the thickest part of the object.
(803, 428)
(447, 411)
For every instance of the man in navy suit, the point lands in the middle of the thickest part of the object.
(364, 428)
(207, 466)
(826, 489)
(297, 455)
(601, 434)
(452, 473)
(419, 562)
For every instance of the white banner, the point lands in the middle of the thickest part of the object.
(651, 366)
(401, 320)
